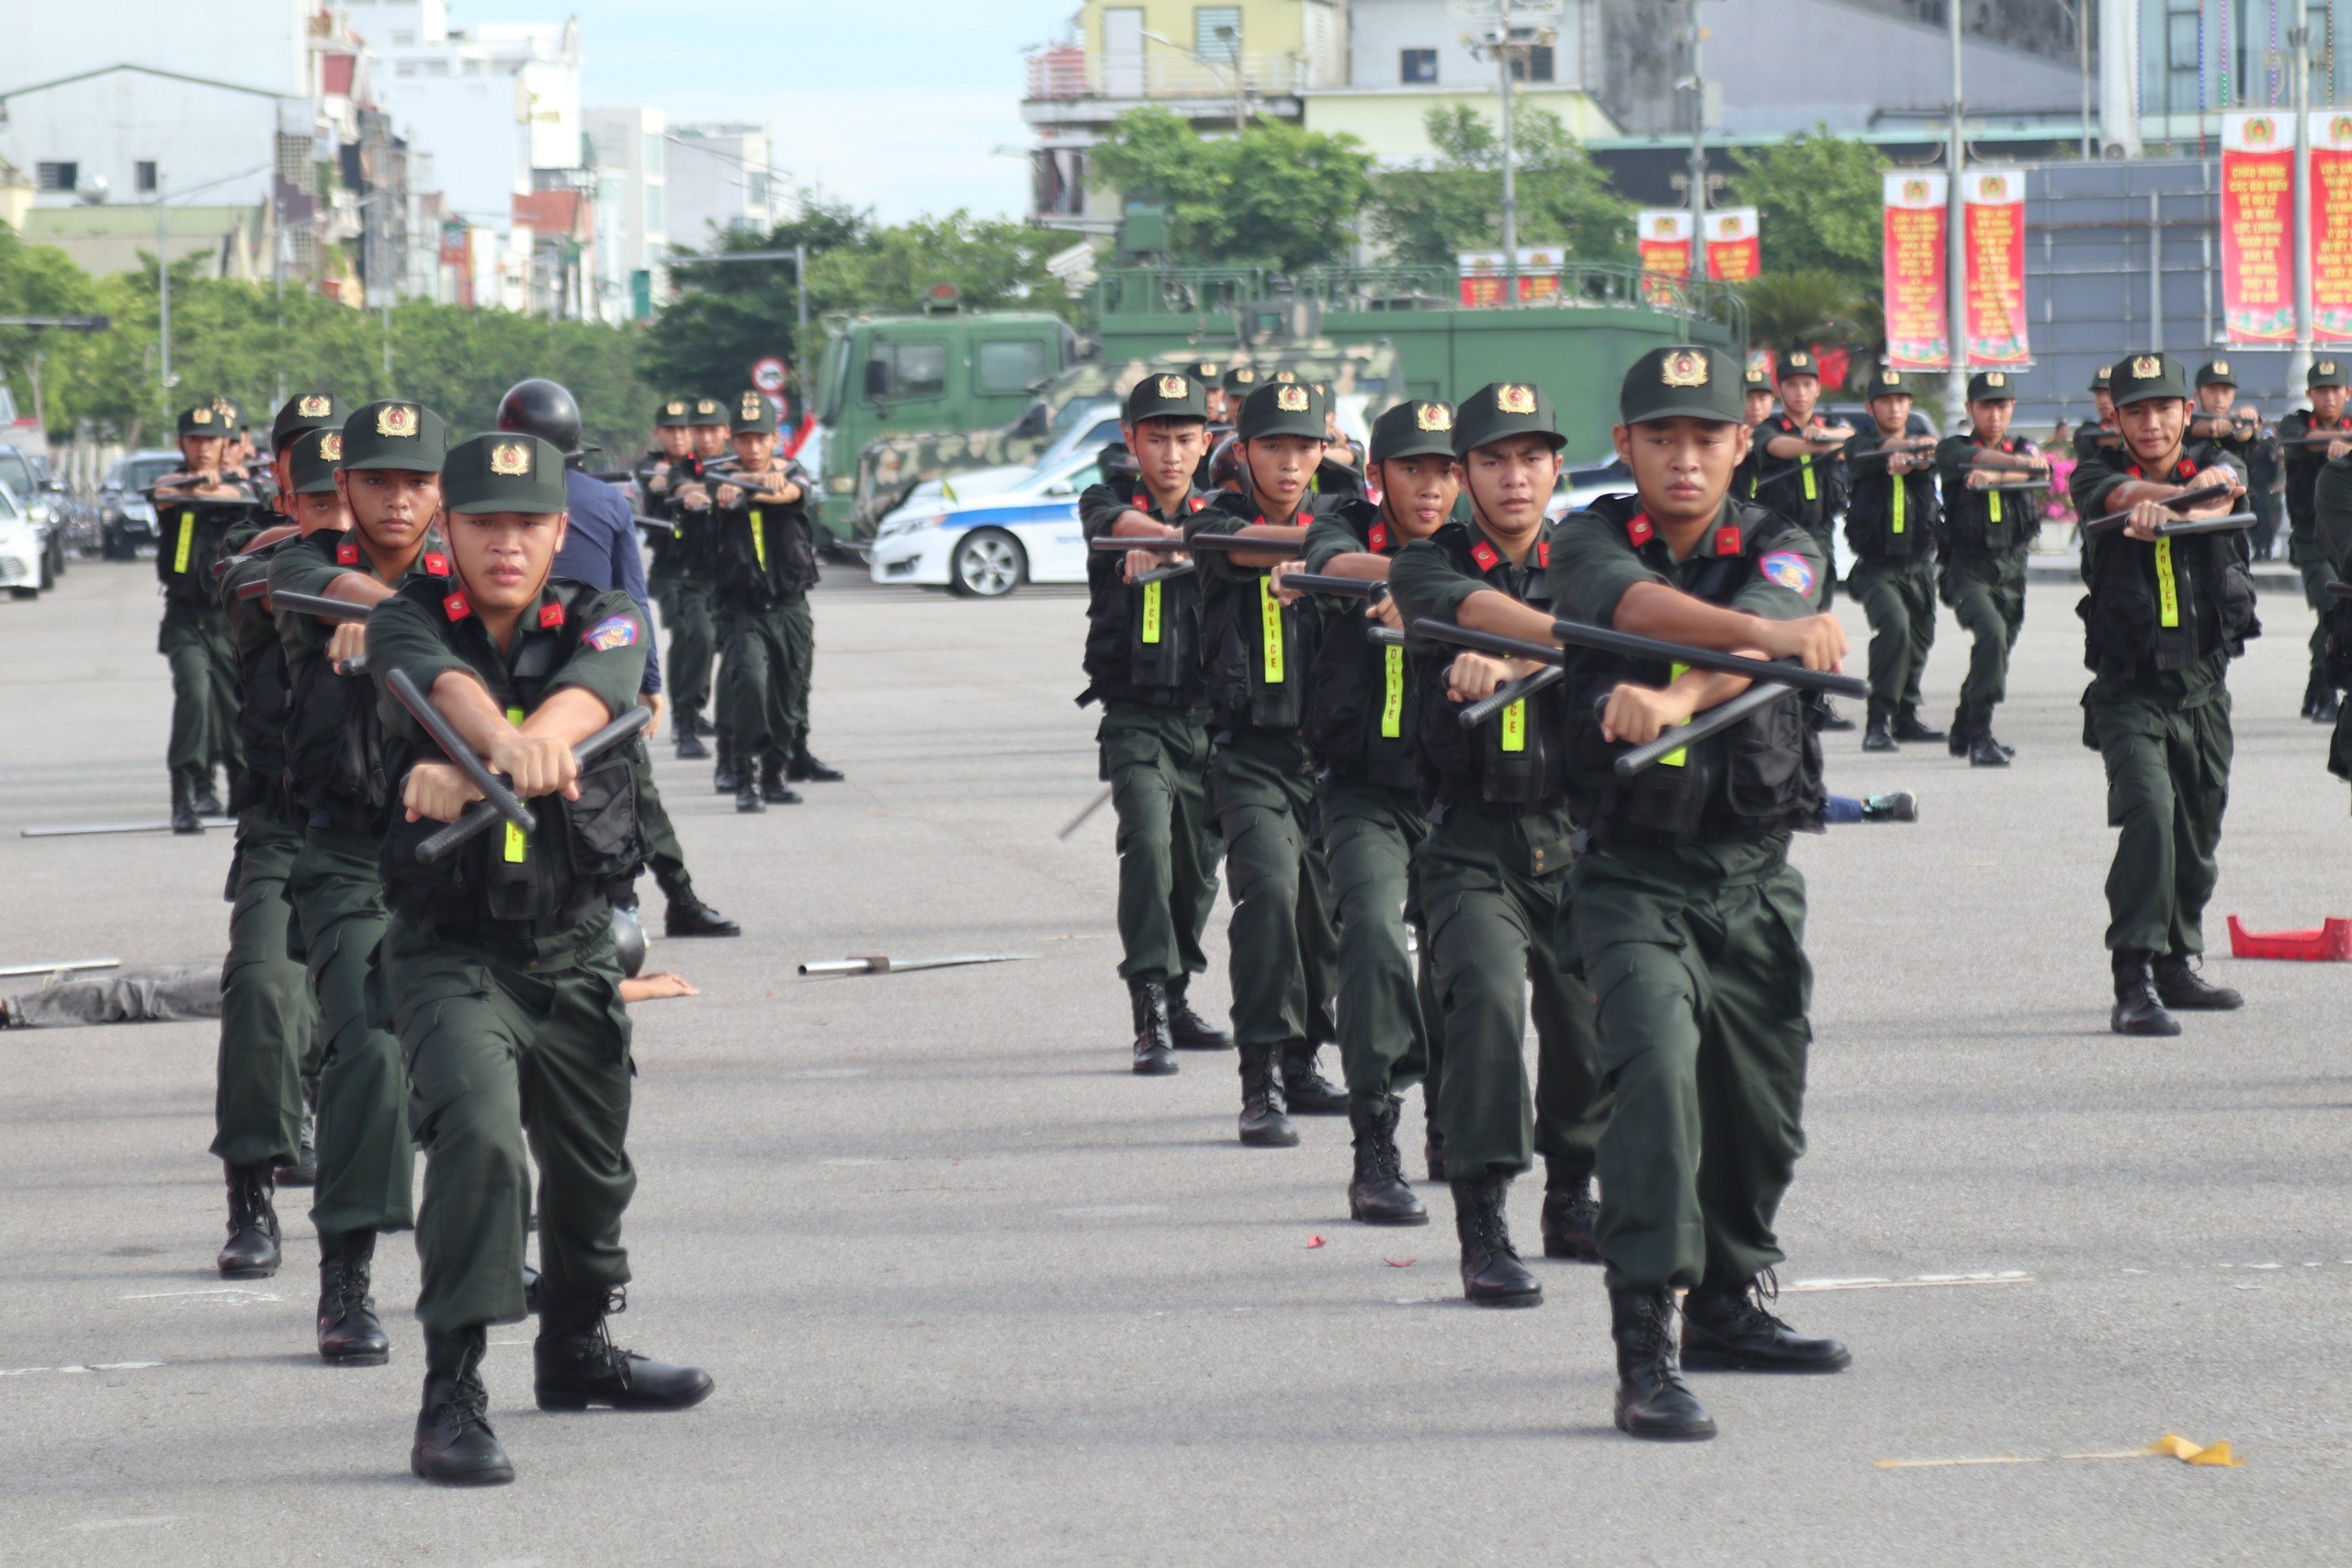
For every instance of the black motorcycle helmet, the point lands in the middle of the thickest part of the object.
(545, 409)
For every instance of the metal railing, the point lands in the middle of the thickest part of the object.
(1064, 73)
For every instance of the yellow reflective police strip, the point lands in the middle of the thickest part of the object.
(759, 536)
(2167, 590)
(1392, 706)
(1902, 492)
(1681, 754)
(1804, 465)
(514, 840)
(1270, 622)
(1514, 723)
(187, 542)
(1993, 506)
(1151, 611)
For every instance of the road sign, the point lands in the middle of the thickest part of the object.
(768, 375)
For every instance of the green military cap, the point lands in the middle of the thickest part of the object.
(1169, 394)
(317, 454)
(203, 420)
(1204, 371)
(1798, 362)
(675, 413)
(232, 413)
(1682, 381)
(2325, 373)
(707, 411)
(1501, 409)
(2215, 373)
(1991, 387)
(395, 435)
(1283, 376)
(1280, 408)
(302, 412)
(1755, 380)
(1240, 378)
(2144, 376)
(2102, 380)
(503, 471)
(755, 414)
(1414, 429)
(1886, 381)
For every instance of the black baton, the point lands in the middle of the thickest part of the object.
(1475, 714)
(481, 813)
(495, 794)
(2111, 520)
(341, 610)
(1626, 645)
(1719, 717)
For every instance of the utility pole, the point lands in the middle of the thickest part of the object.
(164, 288)
(1510, 172)
(2298, 46)
(1956, 241)
(1697, 149)
(2083, 53)
(800, 282)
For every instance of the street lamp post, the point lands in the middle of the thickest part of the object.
(163, 288)
(1956, 241)
(2299, 48)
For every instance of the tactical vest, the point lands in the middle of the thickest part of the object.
(1983, 522)
(1893, 516)
(1260, 651)
(585, 852)
(2166, 606)
(191, 538)
(2302, 464)
(1760, 776)
(763, 553)
(1806, 489)
(1363, 703)
(1514, 760)
(1143, 639)
(334, 741)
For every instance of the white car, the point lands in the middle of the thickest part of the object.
(985, 547)
(21, 549)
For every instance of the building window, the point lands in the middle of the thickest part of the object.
(1535, 65)
(1011, 366)
(655, 155)
(755, 190)
(1418, 67)
(653, 209)
(1216, 32)
(404, 68)
(145, 175)
(58, 178)
(436, 68)
(404, 39)
(907, 370)
(472, 67)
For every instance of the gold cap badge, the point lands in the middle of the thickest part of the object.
(1890, 377)
(753, 405)
(199, 416)
(510, 459)
(2326, 368)
(330, 447)
(396, 419)
(675, 408)
(1172, 388)
(1433, 416)
(2146, 367)
(1512, 398)
(1998, 377)
(1245, 375)
(2105, 370)
(2220, 367)
(1684, 367)
(705, 405)
(318, 405)
(1286, 376)
(1291, 399)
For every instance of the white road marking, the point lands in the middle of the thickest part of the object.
(93, 1367)
(1921, 1281)
(235, 1295)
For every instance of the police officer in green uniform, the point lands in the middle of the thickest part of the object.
(389, 478)
(680, 591)
(1363, 720)
(1143, 662)
(1683, 908)
(2099, 438)
(1988, 530)
(701, 618)
(2164, 618)
(1495, 869)
(2332, 531)
(2310, 438)
(262, 1129)
(1756, 392)
(195, 509)
(1893, 524)
(2219, 418)
(1259, 655)
(1801, 476)
(498, 964)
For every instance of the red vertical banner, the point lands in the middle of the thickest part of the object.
(1662, 239)
(1918, 310)
(1734, 252)
(2257, 238)
(2330, 216)
(1482, 275)
(1539, 274)
(1994, 212)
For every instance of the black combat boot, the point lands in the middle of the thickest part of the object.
(1305, 1091)
(1492, 1274)
(1263, 1125)
(2311, 690)
(2178, 984)
(1191, 1031)
(1727, 1328)
(1570, 1214)
(1652, 1399)
(806, 769)
(454, 1443)
(1379, 1195)
(577, 1365)
(725, 777)
(1878, 734)
(1908, 728)
(689, 916)
(747, 794)
(1983, 751)
(203, 796)
(1963, 732)
(2327, 708)
(184, 818)
(251, 1251)
(349, 1332)
(1834, 720)
(688, 730)
(2138, 1009)
(1155, 1045)
(773, 789)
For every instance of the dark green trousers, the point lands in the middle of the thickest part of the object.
(694, 642)
(1369, 835)
(366, 1165)
(1280, 938)
(2303, 551)
(205, 690)
(521, 1040)
(1697, 961)
(1899, 597)
(799, 667)
(663, 855)
(1156, 760)
(765, 686)
(267, 1021)
(2168, 785)
(1987, 592)
(1494, 886)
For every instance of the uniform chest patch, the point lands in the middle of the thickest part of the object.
(613, 631)
(1790, 570)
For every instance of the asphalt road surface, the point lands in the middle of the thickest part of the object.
(975, 1294)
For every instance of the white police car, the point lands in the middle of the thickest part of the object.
(984, 547)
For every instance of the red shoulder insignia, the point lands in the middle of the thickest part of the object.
(1728, 540)
(346, 555)
(456, 607)
(1200, 503)
(2133, 470)
(1141, 503)
(1639, 532)
(1485, 556)
(1379, 538)
(550, 614)
(1544, 554)
(2186, 470)
(437, 563)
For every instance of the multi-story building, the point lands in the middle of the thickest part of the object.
(631, 155)
(719, 180)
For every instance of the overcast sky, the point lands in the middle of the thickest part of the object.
(898, 107)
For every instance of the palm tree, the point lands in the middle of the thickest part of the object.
(1805, 306)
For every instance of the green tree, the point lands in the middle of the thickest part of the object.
(1428, 215)
(1276, 194)
(1818, 198)
(1806, 307)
